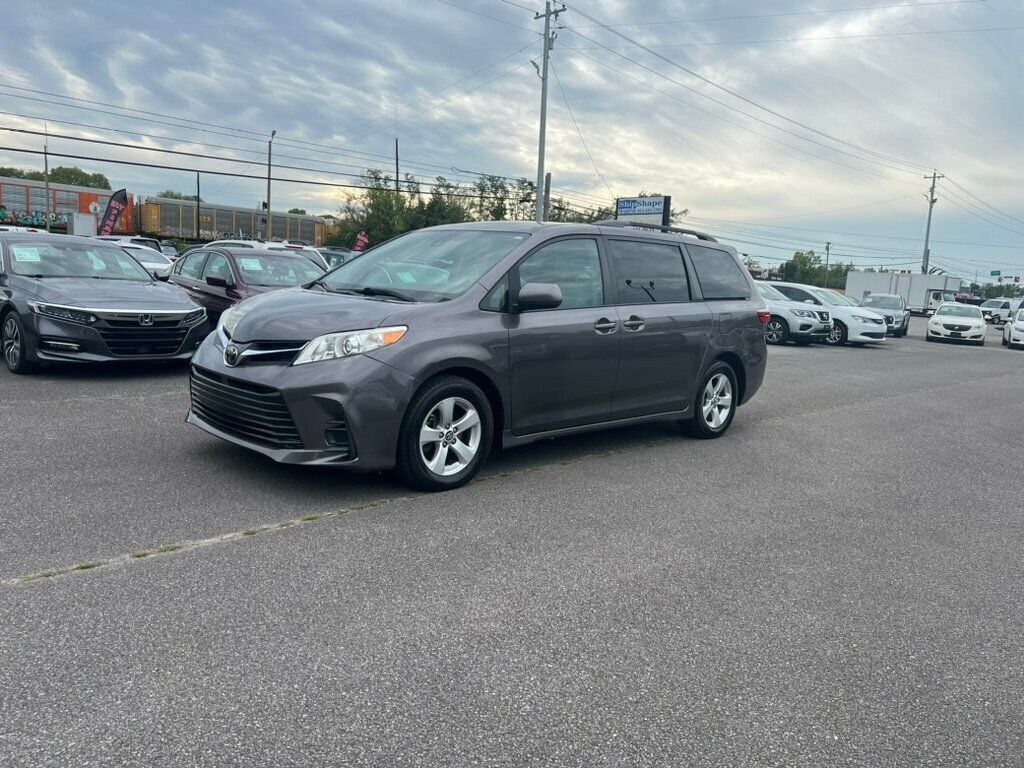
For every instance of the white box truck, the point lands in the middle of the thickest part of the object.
(921, 292)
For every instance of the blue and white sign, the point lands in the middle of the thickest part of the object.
(640, 206)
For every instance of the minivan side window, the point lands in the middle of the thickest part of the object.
(648, 272)
(574, 265)
(719, 275)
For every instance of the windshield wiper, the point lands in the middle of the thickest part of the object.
(371, 291)
(649, 292)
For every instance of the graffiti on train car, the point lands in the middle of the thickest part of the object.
(32, 218)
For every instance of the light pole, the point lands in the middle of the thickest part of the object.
(270, 147)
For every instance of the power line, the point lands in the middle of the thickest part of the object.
(583, 141)
(743, 98)
(138, 164)
(487, 16)
(859, 234)
(791, 13)
(517, 5)
(740, 125)
(446, 101)
(696, 43)
(1002, 213)
(403, 107)
(971, 208)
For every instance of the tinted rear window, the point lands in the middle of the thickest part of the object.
(648, 272)
(719, 275)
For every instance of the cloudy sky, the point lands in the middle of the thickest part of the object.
(779, 124)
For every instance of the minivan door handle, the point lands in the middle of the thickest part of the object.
(634, 323)
(604, 325)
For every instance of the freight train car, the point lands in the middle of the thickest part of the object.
(176, 219)
(23, 204)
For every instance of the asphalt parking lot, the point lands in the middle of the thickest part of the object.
(838, 581)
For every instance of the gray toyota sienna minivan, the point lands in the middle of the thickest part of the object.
(433, 346)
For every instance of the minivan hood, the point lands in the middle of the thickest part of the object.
(298, 314)
(111, 294)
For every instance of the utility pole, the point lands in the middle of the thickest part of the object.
(928, 229)
(197, 207)
(547, 194)
(270, 146)
(549, 41)
(46, 171)
(396, 164)
(828, 248)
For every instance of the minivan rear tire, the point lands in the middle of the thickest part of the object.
(701, 425)
(462, 401)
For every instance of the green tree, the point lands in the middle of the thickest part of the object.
(300, 211)
(171, 194)
(19, 173)
(79, 178)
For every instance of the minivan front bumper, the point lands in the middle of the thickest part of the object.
(345, 412)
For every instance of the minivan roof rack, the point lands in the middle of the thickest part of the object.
(659, 227)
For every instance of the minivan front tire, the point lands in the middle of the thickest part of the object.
(715, 405)
(445, 436)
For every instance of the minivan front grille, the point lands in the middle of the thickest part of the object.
(242, 409)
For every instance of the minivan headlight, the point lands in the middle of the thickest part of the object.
(332, 346)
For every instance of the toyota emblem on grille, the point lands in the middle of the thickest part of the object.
(231, 355)
(145, 319)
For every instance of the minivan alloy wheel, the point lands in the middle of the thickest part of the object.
(450, 436)
(717, 401)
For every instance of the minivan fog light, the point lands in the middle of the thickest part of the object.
(336, 345)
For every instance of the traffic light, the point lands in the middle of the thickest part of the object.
(1016, 279)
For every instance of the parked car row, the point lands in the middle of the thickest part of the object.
(806, 313)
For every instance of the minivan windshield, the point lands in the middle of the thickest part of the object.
(884, 302)
(425, 265)
(959, 310)
(992, 303)
(73, 258)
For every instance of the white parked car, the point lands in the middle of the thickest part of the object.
(957, 322)
(1013, 331)
(850, 322)
(124, 240)
(996, 311)
(152, 261)
(792, 321)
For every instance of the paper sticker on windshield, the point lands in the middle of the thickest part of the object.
(250, 265)
(406, 277)
(21, 253)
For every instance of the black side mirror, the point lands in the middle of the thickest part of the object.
(539, 296)
(219, 281)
